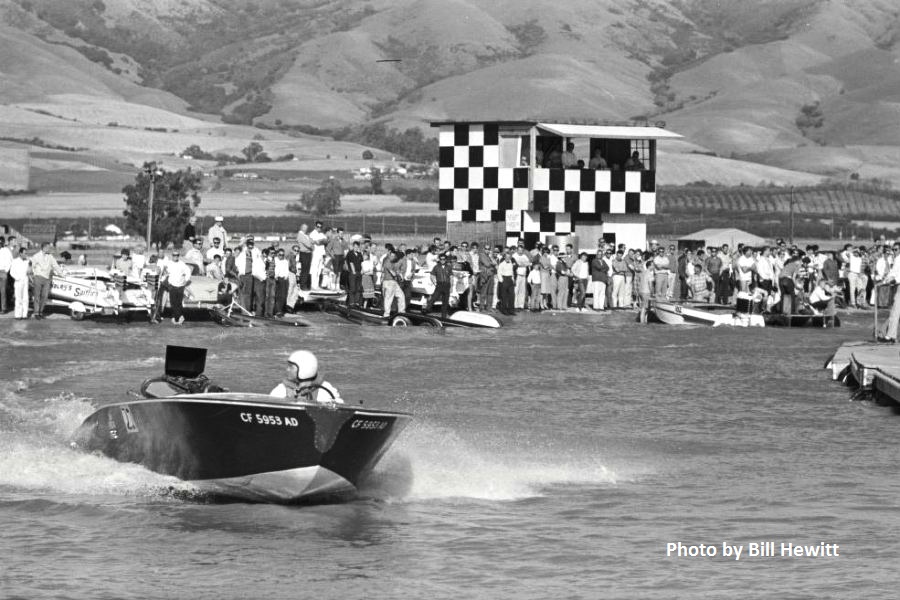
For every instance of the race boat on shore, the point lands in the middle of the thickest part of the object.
(702, 313)
(235, 315)
(245, 446)
(366, 316)
(801, 320)
(90, 291)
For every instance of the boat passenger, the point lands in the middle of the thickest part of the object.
(302, 382)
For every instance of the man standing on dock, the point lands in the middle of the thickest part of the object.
(888, 332)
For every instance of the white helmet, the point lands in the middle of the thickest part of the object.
(306, 363)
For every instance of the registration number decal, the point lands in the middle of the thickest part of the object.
(368, 424)
(261, 419)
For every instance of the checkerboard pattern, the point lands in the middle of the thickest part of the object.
(474, 188)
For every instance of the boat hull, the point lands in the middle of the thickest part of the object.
(246, 446)
(684, 313)
(223, 315)
(460, 318)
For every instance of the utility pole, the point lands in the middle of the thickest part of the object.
(153, 172)
(791, 237)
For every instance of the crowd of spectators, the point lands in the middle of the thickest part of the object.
(269, 281)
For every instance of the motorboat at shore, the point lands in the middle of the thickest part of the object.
(802, 320)
(235, 315)
(365, 316)
(245, 446)
(91, 291)
(702, 313)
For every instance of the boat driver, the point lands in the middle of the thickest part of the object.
(302, 381)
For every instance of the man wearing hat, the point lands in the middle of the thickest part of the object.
(217, 231)
(248, 263)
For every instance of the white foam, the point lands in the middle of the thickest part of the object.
(26, 465)
(442, 465)
(36, 455)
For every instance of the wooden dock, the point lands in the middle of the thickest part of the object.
(869, 366)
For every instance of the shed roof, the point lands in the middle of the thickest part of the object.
(728, 235)
(607, 131)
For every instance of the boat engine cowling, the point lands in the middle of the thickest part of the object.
(173, 385)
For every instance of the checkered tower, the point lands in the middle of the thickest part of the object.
(475, 188)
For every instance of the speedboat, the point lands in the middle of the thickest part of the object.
(360, 316)
(235, 315)
(802, 320)
(702, 313)
(244, 446)
(90, 291)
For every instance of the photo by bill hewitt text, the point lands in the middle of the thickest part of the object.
(764, 549)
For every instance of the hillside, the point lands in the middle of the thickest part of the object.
(807, 86)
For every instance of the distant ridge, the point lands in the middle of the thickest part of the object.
(746, 81)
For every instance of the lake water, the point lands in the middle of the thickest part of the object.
(556, 457)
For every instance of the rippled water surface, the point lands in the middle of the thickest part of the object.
(553, 458)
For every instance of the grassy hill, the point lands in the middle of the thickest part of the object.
(783, 83)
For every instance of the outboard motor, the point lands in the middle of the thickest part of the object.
(183, 375)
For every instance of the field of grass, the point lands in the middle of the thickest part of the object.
(50, 205)
(822, 212)
(860, 201)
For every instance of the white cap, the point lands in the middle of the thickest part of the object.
(219, 218)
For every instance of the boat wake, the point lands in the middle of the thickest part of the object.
(432, 463)
(427, 462)
(36, 456)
